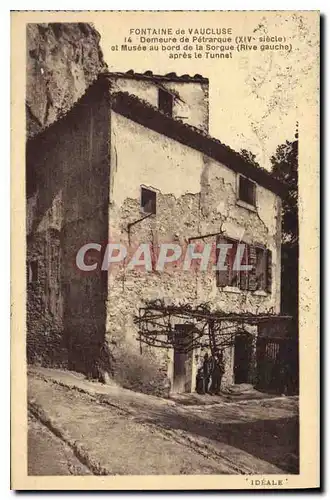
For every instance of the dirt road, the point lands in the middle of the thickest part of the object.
(48, 455)
(115, 431)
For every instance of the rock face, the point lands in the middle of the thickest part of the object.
(62, 60)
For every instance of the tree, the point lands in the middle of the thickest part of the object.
(250, 157)
(285, 168)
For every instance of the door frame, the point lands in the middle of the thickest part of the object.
(189, 354)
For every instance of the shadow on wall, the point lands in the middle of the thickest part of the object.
(66, 311)
(140, 372)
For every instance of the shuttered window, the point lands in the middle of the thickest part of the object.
(252, 285)
(221, 275)
(233, 274)
(260, 278)
(260, 275)
(244, 274)
(232, 277)
(261, 268)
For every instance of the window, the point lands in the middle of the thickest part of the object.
(259, 277)
(233, 277)
(261, 268)
(233, 274)
(165, 102)
(247, 190)
(148, 201)
(33, 271)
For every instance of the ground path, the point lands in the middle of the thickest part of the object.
(112, 430)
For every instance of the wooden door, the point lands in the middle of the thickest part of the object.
(182, 370)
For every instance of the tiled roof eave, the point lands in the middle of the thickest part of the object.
(149, 75)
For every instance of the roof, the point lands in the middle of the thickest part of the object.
(149, 75)
(145, 114)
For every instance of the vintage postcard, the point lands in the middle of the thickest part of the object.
(165, 236)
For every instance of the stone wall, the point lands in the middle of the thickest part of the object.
(195, 196)
(84, 178)
(67, 206)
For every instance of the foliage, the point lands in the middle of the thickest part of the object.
(202, 326)
(250, 157)
(285, 168)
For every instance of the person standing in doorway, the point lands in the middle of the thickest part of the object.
(217, 373)
(200, 389)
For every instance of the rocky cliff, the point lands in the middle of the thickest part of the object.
(62, 60)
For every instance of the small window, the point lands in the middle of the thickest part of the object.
(247, 190)
(33, 271)
(165, 102)
(148, 201)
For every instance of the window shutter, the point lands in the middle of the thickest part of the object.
(232, 275)
(269, 277)
(252, 274)
(244, 275)
(222, 277)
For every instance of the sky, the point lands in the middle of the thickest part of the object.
(255, 97)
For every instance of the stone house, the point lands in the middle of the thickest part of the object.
(132, 162)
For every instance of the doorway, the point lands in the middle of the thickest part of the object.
(242, 358)
(183, 355)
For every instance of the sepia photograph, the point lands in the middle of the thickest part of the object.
(164, 330)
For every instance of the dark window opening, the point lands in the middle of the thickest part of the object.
(33, 271)
(165, 102)
(242, 358)
(148, 201)
(247, 190)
